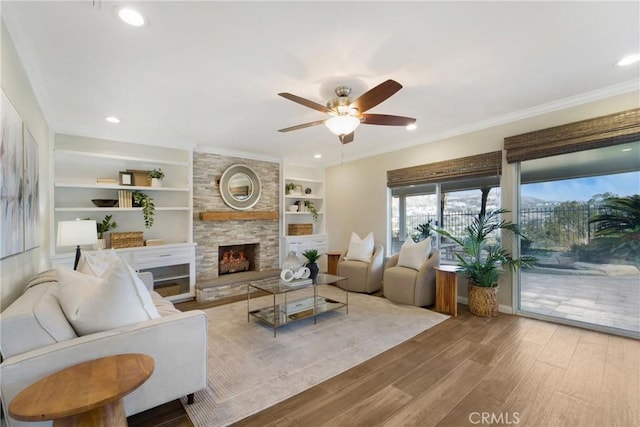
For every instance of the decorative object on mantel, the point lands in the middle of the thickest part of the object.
(148, 207)
(156, 176)
(312, 256)
(240, 187)
(479, 261)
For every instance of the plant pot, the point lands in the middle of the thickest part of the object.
(313, 268)
(100, 244)
(155, 182)
(483, 301)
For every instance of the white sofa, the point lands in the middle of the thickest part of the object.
(37, 340)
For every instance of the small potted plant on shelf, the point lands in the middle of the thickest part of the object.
(147, 205)
(101, 228)
(480, 260)
(290, 188)
(156, 177)
(312, 256)
(311, 208)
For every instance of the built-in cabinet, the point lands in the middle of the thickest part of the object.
(302, 186)
(78, 164)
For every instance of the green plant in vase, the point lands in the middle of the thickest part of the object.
(312, 256)
(155, 176)
(106, 225)
(309, 205)
(289, 188)
(148, 207)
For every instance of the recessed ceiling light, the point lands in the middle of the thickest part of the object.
(626, 149)
(628, 60)
(317, 156)
(112, 119)
(132, 17)
(412, 126)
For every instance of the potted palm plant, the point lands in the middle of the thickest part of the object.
(480, 260)
(312, 256)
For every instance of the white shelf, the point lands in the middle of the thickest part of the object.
(294, 180)
(303, 197)
(119, 157)
(118, 187)
(302, 213)
(116, 209)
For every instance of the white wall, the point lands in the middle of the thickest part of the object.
(16, 269)
(357, 193)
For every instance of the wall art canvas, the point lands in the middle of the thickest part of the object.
(11, 187)
(31, 192)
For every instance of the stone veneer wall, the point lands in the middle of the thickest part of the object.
(209, 235)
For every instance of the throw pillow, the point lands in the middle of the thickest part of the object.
(412, 254)
(93, 304)
(360, 249)
(96, 263)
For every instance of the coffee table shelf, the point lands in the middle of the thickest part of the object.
(289, 311)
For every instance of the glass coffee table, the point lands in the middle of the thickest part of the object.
(292, 308)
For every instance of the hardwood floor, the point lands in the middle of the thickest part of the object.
(468, 370)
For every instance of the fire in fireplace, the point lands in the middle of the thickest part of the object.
(237, 258)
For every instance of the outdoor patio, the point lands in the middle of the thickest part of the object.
(603, 296)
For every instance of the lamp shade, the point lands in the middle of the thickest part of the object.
(76, 233)
(342, 125)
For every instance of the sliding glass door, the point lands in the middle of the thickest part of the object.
(580, 214)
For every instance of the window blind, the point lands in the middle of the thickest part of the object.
(604, 131)
(480, 165)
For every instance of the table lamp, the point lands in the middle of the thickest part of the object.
(78, 232)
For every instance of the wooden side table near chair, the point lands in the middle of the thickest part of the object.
(88, 394)
(447, 289)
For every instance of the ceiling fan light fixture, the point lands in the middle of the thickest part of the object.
(132, 17)
(342, 125)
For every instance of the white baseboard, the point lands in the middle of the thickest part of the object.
(507, 309)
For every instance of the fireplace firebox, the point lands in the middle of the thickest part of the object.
(237, 258)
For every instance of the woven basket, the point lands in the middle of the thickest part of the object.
(300, 229)
(483, 301)
(130, 239)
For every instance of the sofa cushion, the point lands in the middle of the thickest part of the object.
(413, 255)
(94, 304)
(96, 263)
(360, 249)
(34, 320)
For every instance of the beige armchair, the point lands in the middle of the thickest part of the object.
(363, 276)
(408, 286)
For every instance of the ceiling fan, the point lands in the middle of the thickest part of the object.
(348, 114)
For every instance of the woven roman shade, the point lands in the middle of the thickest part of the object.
(613, 129)
(487, 164)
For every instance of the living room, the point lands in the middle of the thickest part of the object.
(355, 182)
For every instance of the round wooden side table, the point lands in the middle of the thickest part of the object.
(87, 394)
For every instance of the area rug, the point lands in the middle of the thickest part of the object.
(250, 370)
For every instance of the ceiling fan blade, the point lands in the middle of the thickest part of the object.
(345, 139)
(306, 102)
(385, 119)
(375, 96)
(302, 126)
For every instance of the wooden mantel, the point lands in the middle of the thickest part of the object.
(238, 215)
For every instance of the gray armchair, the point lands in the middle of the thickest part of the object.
(408, 286)
(363, 276)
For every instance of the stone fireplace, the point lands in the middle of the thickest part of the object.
(238, 258)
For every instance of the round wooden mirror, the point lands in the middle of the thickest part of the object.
(240, 187)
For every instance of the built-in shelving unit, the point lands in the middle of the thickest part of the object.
(77, 164)
(309, 187)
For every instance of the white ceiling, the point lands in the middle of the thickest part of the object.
(207, 74)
